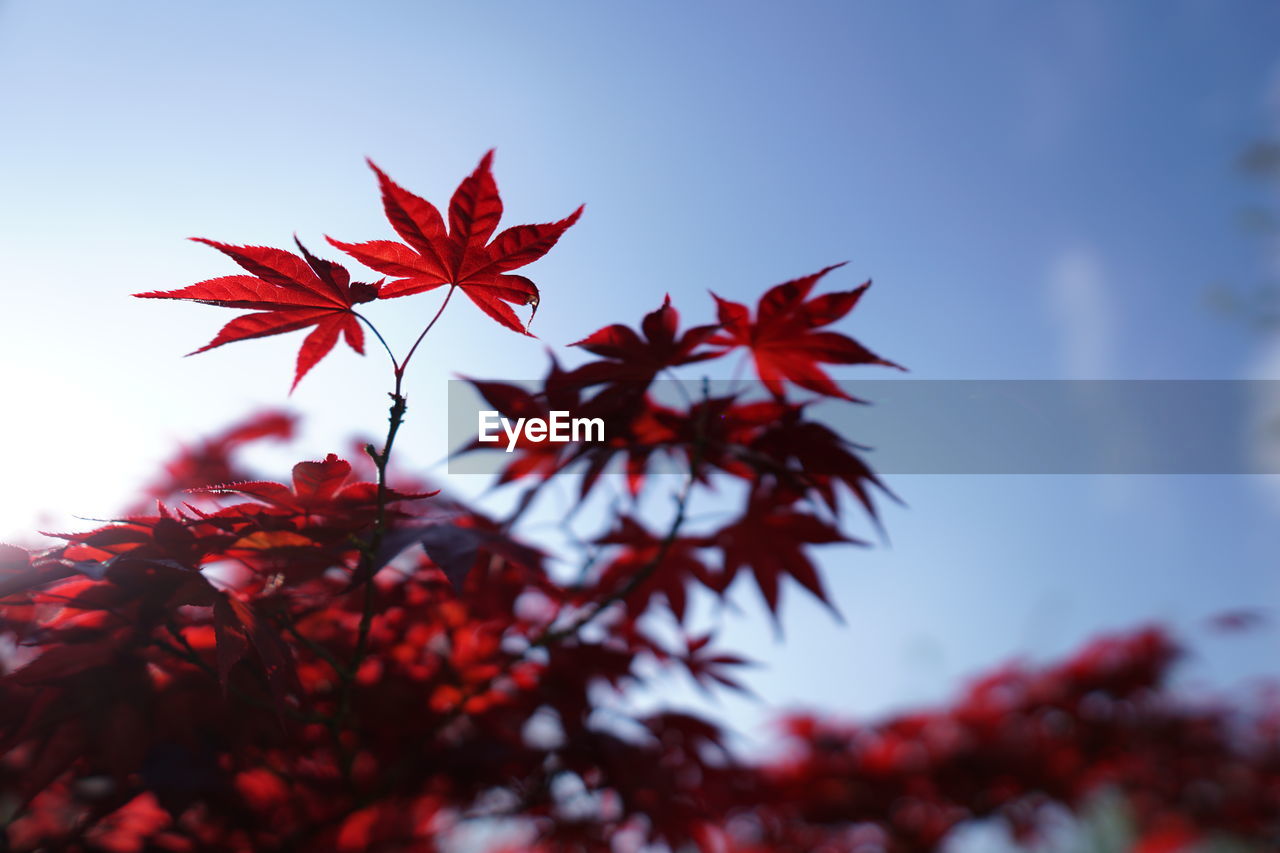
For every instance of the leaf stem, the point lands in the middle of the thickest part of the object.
(379, 336)
(401, 367)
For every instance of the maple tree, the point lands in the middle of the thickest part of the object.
(357, 660)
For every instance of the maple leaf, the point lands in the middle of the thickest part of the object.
(716, 432)
(213, 460)
(162, 540)
(286, 292)
(238, 625)
(19, 572)
(317, 486)
(540, 459)
(677, 567)
(460, 255)
(452, 547)
(637, 433)
(769, 538)
(631, 358)
(782, 337)
(807, 455)
(707, 667)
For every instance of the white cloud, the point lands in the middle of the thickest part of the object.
(1079, 299)
(1082, 309)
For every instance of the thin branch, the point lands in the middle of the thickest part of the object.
(368, 567)
(551, 636)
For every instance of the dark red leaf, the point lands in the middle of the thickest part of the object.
(232, 643)
(277, 662)
(770, 539)
(635, 359)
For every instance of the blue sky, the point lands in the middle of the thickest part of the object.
(1038, 190)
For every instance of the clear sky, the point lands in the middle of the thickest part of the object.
(1039, 191)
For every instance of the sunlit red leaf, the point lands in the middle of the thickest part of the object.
(783, 337)
(462, 255)
(286, 292)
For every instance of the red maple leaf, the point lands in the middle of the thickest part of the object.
(672, 566)
(286, 292)
(631, 358)
(708, 667)
(317, 486)
(770, 539)
(461, 256)
(539, 459)
(803, 454)
(237, 626)
(782, 337)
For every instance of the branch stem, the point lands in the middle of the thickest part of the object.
(370, 550)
